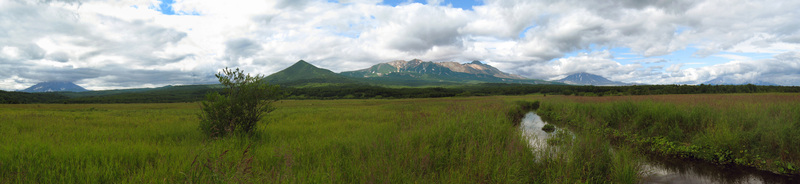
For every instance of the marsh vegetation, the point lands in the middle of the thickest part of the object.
(434, 140)
(758, 131)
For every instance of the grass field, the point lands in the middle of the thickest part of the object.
(445, 140)
(343, 141)
(757, 130)
(441, 140)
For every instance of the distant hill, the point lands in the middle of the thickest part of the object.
(54, 86)
(304, 73)
(417, 72)
(728, 81)
(589, 79)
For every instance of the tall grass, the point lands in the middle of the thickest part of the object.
(445, 140)
(585, 158)
(461, 140)
(757, 130)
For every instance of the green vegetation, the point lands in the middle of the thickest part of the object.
(338, 141)
(159, 90)
(759, 130)
(585, 159)
(427, 80)
(303, 74)
(442, 140)
(439, 140)
(549, 128)
(244, 101)
(7, 97)
(528, 105)
(169, 94)
(325, 88)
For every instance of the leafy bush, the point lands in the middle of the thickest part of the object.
(528, 105)
(549, 128)
(244, 100)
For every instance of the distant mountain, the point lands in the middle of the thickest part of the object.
(304, 73)
(728, 81)
(54, 86)
(418, 72)
(422, 67)
(589, 79)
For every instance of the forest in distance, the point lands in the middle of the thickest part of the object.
(193, 93)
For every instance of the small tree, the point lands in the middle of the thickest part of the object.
(243, 102)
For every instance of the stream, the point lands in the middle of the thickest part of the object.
(668, 170)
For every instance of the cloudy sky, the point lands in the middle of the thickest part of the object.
(151, 43)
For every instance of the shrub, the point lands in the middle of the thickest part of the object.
(527, 105)
(548, 128)
(244, 100)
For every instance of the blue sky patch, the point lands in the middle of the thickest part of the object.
(522, 34)
(166, 7)
(463, 4)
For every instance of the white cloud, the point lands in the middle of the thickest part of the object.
(112, 44)
(598, 63)
(675, 68)
(782, 70)
(733, 57)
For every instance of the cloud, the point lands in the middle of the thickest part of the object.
(241, 48)
(22, 52)
(59, 56)
(409, 28)
(598, 63)
(112, 44)
(652, 60)
(291, 4)
(675, 68)
(733, 57)
(782, 69)
(69, 41)
(61, 74)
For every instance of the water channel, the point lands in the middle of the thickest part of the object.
(668, 170)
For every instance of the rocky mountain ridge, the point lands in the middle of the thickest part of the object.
(429, 67)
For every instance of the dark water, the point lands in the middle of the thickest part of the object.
(670, 170)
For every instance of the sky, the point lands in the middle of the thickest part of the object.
(121, 44)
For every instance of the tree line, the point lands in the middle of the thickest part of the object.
(365, 91)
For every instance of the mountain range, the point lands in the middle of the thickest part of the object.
(436, 68)
(589, 79)
(395, 73)
(402, 73)
(399, 73)
(417, 72)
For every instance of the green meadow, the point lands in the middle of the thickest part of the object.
(434, 140)
(754, 130)
(309, 141)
